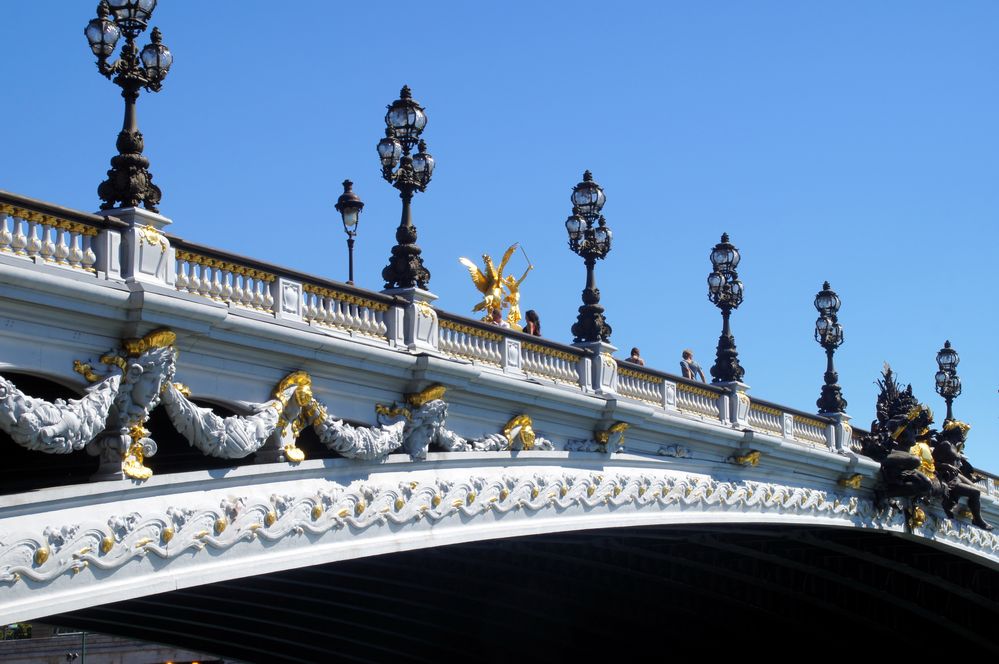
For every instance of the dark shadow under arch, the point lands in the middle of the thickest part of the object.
(681, 592)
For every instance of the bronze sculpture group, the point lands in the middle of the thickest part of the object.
(919, 462)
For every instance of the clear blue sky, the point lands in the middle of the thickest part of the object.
(853, 141)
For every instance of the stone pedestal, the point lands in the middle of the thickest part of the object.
(146, 254)
(734, 408)
(842, 432)
(603, 366)
(414, 325)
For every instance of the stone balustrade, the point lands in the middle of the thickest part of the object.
(54, 236)
(224, 281)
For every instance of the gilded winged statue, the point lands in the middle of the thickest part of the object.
(489, 281)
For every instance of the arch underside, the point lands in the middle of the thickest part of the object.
(708, 589)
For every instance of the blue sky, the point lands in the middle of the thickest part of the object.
(852, 141)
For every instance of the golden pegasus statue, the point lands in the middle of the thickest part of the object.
(489, 281)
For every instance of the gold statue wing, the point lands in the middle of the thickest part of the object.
(479, 279)
(506, 257)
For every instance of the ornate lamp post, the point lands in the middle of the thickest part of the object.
(409, 174)
(829, 334)
(948, 383)
(725, 292)
(129, 181)
(590, 238)
(349, 205)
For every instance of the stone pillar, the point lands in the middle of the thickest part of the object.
(146, 254)
(512, 359)
(737, 412)
(603, 366)
(840, 432)
(413, 325)
(287, 296)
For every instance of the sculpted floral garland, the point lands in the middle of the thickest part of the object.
(109, 421)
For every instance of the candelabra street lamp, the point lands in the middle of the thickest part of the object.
(725, 292)
(948, 383)
(409, 174)
(829, 334)
(349, 205)
(590, 238)
(129, 181)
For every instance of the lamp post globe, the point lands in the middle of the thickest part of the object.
(349, 205)
(948, 383)
(589, 238)
(409, 173)
(829, 335)
(129, 182)
(725, 291)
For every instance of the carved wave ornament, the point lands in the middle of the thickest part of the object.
(360, 506)
(109, 421)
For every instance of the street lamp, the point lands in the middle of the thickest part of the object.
(129, 180)
(725, 292)
(590, 242)
(349, 205)
(405, 121)
(948, 383)
(829, 334)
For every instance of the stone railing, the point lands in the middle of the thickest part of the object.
(224, 281)
(641, 385)
(52, 234)
(334, 308)
(470, 340)
(767, 419)
(562, 364)
(699, 400)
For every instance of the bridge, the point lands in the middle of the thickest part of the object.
(209, 449)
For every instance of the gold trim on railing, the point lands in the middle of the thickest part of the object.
(700, 391)
(345, 297)
(48, 220)
(550, 352)
(219, 264)
(766, 409)
(472, 331)
(631, 373)
(809, 421)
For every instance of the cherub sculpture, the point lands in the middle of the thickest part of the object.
(513, 297)
(490, 281)
(956, 472)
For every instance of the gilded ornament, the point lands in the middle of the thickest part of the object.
(471, 498)
(590, 490)
(387, 411)
(399, 504)
(131, 461)
(503, 494)
(853, 481)
(295, 379)
(520, 427)
(317, 511)
(162, 338)
(917, 518)
(180, 387)
(107, 543)
(153, 237)
(425, 309)
(167, 534)
(632, 373)
(435, 501)
(534, 492)
(550, 352)
(359, 508)
(270, 518)
(85, 370)
(292, 453)
(432, 393)
(220, 525)
(750, 458)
